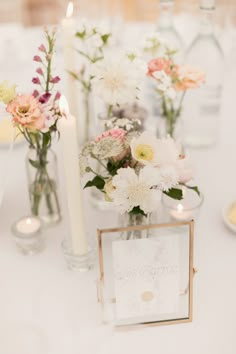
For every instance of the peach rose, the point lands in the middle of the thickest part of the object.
(26, 111)
(160, 64)
(188, 77)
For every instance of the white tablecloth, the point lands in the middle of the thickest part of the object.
(45, 306)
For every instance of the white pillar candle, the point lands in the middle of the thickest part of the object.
(68, 36)
(70, 154)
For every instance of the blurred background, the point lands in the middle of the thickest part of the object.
(37, 12)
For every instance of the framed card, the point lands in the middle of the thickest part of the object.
(147, 280)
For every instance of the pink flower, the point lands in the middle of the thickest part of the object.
(39, 71)
(42, 48)
(35, 93)
(160, 64)
(45, 97)
(117, 134)
(26, 111)
(188, 77)
(36, 80)
(55, 80)
(37, 58)
(57, 96)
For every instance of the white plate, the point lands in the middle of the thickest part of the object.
(225, 212)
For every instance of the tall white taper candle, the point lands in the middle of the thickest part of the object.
(68, 34)
(70, 154)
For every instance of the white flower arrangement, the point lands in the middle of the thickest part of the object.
(116, 79)
(136, 169)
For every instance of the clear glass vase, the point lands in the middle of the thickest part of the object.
(43, 185)
(202, 107)
(167, 30)
(129, 219)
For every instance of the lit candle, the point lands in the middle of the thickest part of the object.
(68, 35)
(28, 236)
(28, 225)
(70, 154)
(181, 214)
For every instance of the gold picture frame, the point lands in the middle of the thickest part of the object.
(175, 227)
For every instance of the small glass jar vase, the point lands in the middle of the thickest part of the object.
(129, 219)
(43, 185)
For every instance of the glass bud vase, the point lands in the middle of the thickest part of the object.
(43, 185)
(129, 219)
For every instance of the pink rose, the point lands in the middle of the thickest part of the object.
(188, 77)
(117, 134)
(26, 111)
(160, 64)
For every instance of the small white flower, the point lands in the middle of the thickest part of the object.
(108, 147)
(95, 41)
(51, 113)
(145, 149)
(169, 178)
(149, 150)
(116, 80)
(103, 29)
(132, 190)
(164, 84)
(83, 164)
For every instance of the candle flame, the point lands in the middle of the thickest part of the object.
(63, 106)
(28, 221)
(180, 208)
(70, 9)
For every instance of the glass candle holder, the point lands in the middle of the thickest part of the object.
(185, 209)
(78, 262)
(28, 236)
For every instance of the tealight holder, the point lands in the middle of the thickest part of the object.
(78, 262)
(28, 236)
(185, 209)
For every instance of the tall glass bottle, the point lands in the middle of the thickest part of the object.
(201, 110)
(166, 28)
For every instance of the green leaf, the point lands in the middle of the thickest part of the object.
(35, 164)
(105, 38)
(97, 182)
(80, 34)
(174, 193)
(46, 139)
(136, 211)
(194, 188)
(74, 75)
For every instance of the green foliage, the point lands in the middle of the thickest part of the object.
(174, 193)
(35, 164)
(194, 188)
(97, 182)
(80, 35)
(105, 38)
(137, 211)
